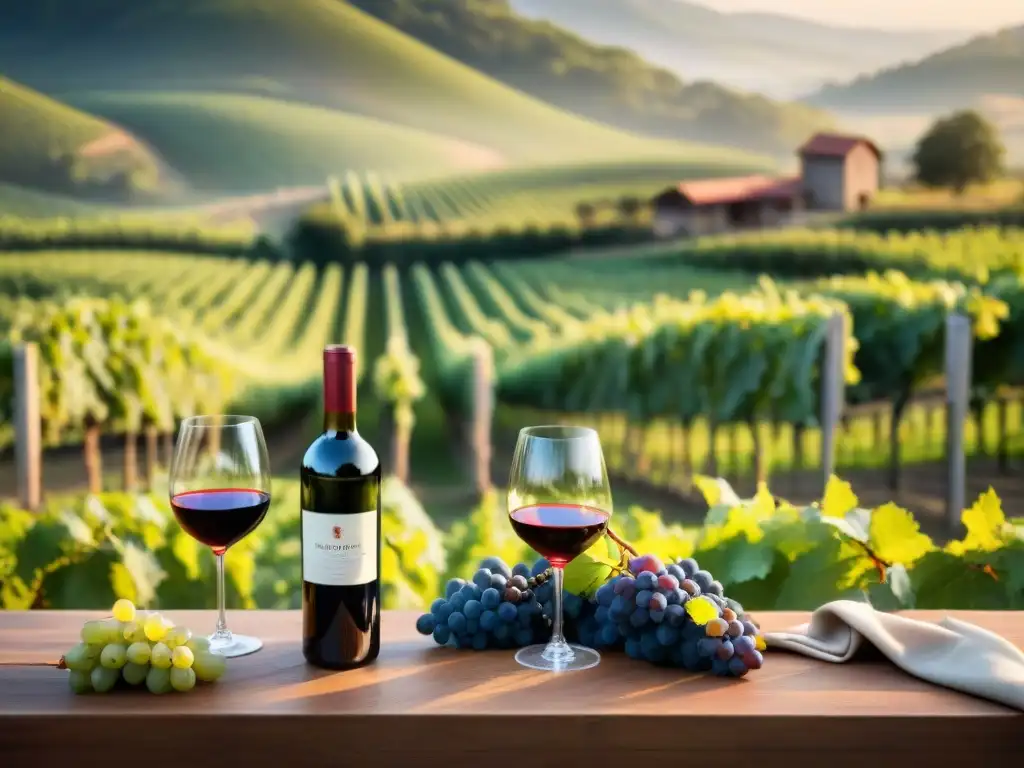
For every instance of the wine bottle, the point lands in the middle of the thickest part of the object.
(341, 588)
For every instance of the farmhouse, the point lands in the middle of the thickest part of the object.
(837, 173)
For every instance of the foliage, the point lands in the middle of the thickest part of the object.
(900, 327)
(185, 233)
(608, 84)
(936, 220)
(968, 254)
(396, 374)
(736, 357)
(85, 552)
(112, 363)
(958, 150)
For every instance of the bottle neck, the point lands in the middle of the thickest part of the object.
(335, 421)
(339, 393)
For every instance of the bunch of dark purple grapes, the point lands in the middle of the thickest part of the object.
(676, 616)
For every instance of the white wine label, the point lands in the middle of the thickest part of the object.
(339, 550)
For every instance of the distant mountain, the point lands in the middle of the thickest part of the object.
(774, 54)
(603, 83)
(989, 65)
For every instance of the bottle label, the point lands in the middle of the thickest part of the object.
(339, 550)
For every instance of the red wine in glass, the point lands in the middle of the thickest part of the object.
(560, 532)
(220, 517)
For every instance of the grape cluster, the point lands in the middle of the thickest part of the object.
(139, 647)
(677, 616)
(500, 607)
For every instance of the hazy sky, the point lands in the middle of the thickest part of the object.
(946, 14)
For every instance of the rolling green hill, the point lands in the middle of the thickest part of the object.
(612, 85)
(957, 77)
(322, 52)
(49, 146)
(241, 143)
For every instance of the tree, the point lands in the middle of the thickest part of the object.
(958, 150)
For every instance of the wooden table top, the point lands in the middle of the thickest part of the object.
(476, 701)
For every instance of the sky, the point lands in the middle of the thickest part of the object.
(891, 14)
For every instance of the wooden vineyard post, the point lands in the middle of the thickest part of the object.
(483, 415)
(1002, 447)
(131, 461)
(28, 440)
(833, 383)
(958, 392)
(151, 457)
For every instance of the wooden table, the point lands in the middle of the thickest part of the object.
(421, 705)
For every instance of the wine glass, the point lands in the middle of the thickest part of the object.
(220, 492)
(559, 503)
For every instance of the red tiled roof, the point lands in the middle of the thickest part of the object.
(738, 189)
(836, 145)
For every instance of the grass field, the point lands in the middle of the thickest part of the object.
(979, 196)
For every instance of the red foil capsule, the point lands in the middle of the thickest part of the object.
(339, 378)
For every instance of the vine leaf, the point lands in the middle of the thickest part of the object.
(896, 537)
(701, 610)
(716, 491)
(592, 569)
(984, 522)
(839, 498)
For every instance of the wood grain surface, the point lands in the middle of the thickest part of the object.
(425, 705)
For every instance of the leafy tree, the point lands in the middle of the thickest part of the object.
(958, 150)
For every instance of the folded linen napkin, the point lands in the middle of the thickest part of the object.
(952, 653)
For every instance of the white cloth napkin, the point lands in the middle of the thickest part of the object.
(952, 653)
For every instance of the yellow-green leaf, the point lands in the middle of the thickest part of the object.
(701, 610)
(984, 522)
(896, 537)
(839, 498)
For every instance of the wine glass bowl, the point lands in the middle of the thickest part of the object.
(559, 503)
(220, 493)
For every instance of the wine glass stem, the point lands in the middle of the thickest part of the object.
(557, 649)
(222, 622)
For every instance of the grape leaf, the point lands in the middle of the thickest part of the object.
(716, 490)
(145, 571)
(83, 584)
(895, 594)
(818, 576)
(761, 593)
(701, 610)
(737, 560)
(943, 580)
(896, 537)
(984, 521)
(839, 498)
(591, 569)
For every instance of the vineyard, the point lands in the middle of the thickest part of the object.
(660, 353)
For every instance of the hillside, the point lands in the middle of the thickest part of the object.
(321, 52)
(51, 147)
(957, 77)
(774, 54)
(611, 85)
(241, 143)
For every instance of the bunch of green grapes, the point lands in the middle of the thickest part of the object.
(139, 647)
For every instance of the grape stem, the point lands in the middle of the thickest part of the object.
(55, 664)
(623, 544)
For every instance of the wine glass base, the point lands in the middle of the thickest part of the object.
(532, 656)
(236, 645)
